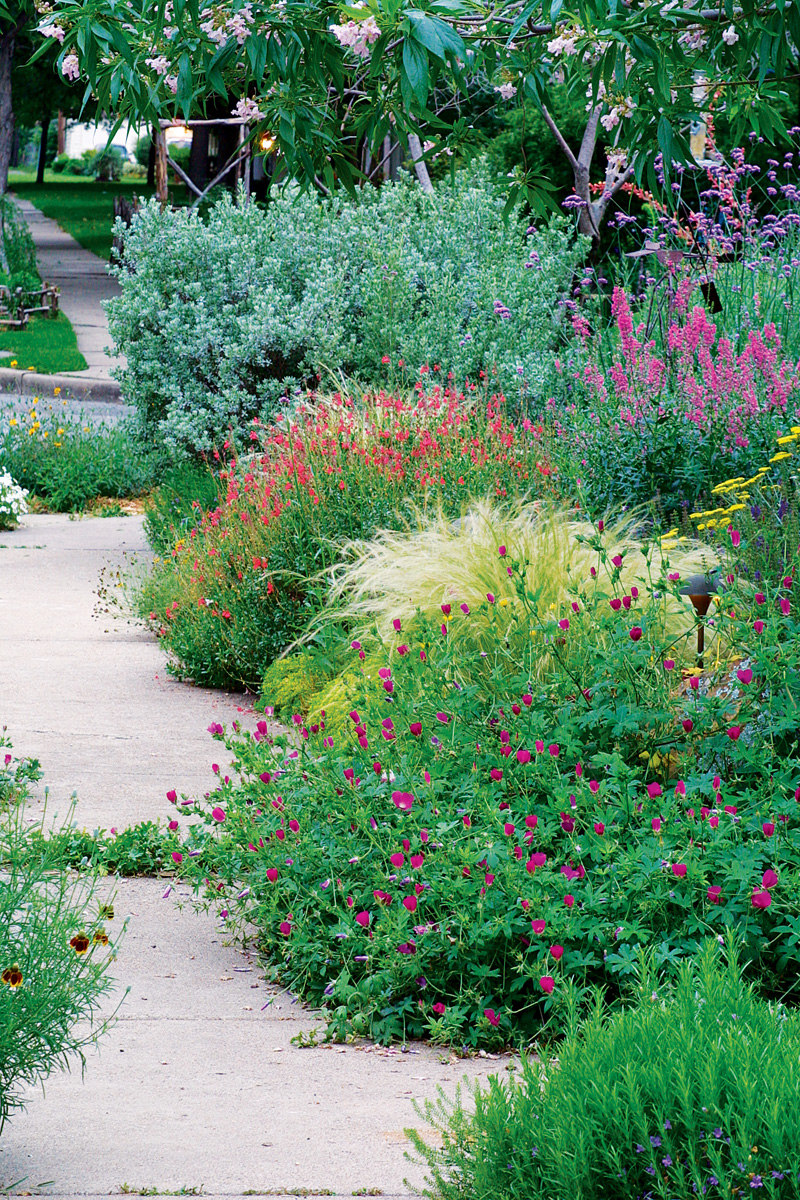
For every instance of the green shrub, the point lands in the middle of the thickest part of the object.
(487, 832)
(67, 460)
(16, 774)
(242, 581)
(18, 267)
(691, 1091)
(221, 316)
(55, 954)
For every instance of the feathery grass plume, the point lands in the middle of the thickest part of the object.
(396, 575)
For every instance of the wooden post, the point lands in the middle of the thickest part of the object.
(162, 181)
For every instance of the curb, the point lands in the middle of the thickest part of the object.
(28, 383)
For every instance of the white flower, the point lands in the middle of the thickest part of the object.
(53, 31)
(12, 501)
(248, 110)
(730, 37)
(159, 64)
(172, 83)
(71, 67)
(507, 91)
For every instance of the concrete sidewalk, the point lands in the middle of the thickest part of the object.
(198, 1084)
(84, 282)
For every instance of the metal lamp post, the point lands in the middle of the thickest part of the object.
(700, 589)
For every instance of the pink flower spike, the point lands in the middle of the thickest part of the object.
(547, 983)
(769, 879)
(218, 814)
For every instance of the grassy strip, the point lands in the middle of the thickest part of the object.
(47, 345)
(83, 207)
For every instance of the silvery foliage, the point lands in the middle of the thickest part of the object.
(223, 317)
(12, 501)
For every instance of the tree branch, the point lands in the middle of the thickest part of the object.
(424, 179)
(562, 141)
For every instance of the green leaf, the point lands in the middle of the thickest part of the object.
(415, 68)
(435, 35)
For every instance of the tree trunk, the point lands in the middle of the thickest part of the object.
(6, 109)
(43, 149)
(162, 179)
(151, 160)
(61, 146)
(420, 166)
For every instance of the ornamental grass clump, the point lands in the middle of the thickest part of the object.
(241, 584)
(690, 1091)
(55, 954)
(487, 839)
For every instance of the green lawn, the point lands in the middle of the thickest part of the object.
(48, 345)
(82, 206)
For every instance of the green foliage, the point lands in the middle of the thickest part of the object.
(55, 954)
(18, 259)
(16, 774)
(401, 69)
(66, 460)
(171, 510)
(487, 837)
(689, 1091)
(221, 318)
(140, 849)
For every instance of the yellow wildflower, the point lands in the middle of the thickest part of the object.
(13, 421)
(780, 457)
(56, 391)
(791, 437)
(13, 363)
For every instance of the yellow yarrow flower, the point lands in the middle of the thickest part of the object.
(780, 457)
(790, 437)
(13, 421)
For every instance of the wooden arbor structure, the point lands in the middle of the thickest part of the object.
(221, 153)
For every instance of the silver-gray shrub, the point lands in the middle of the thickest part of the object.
(221, 316)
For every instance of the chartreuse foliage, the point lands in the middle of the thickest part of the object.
(485, 833)
(690, 1091)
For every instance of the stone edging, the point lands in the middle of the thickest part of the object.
(30, 383)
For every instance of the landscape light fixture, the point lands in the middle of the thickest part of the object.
(700, 589)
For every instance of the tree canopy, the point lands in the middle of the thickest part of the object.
(327, 79)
